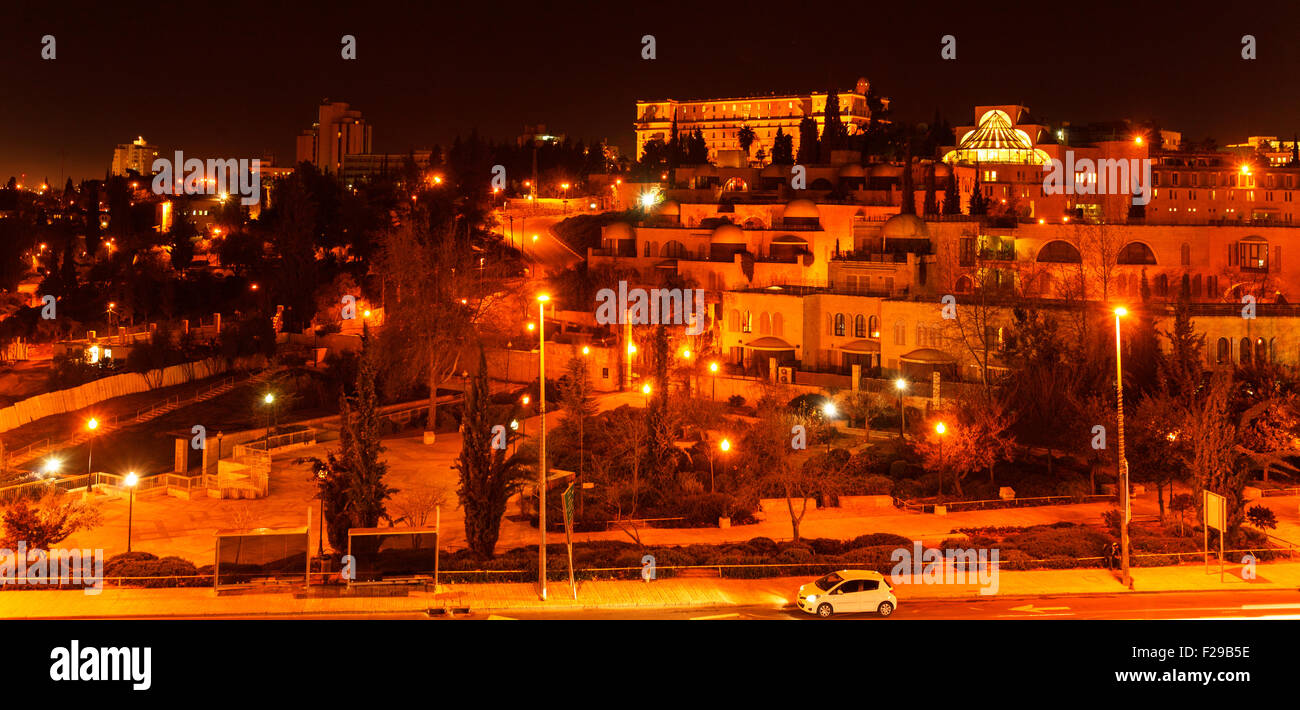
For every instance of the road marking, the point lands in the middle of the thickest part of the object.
(1040, 609)
(494, 617)
(1270, 606)
(1032, 616)
(717, 616)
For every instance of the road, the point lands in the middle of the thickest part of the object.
(551, 253)
(1174, 605)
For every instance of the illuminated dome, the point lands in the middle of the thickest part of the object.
(669, 208)
(885, 170)
(996, 140)
(727, 234)
(619, 231)
(905, 226)
(801, 209)
(853, 170)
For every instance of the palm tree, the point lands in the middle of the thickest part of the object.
(746, 137)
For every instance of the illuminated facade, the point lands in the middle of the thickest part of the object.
(136, 155)
(339, 131)
(721, 120)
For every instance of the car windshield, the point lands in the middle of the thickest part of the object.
(830, 580)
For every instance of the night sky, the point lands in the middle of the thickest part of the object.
(232, 79)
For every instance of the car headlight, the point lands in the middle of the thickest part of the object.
(812, 598)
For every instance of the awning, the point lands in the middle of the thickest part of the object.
(769, 343)
(929, 356)
(861, 346)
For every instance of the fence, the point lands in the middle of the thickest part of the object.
(996, 504)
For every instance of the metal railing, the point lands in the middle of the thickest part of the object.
(997, 503)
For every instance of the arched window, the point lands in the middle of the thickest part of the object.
(1059, 252)
(673, 250)
(733, 321)
(1185, 254)
(860, 326)
(873, 326)
(1136, 253)
(764, 324)
(778, 325)
(747, 322)
(963, 285)
(1162, 286)
(1244, 356)
(839, 324)
(1223, 355)
(900, 333)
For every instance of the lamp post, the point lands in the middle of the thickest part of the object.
(713, 367)
(269, 401)
(724, 446)
(321, 473)
(900, 384)
(940, 429)
(1123, 463)
(130, 481)
(541, 468)
(91, 426)
(645, 390)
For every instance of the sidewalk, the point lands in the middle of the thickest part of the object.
(686, 593)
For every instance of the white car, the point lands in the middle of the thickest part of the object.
(848, 591)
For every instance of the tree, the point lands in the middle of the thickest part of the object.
(488, 478)
(1212, 457)
(808, 143)
(48, 520)
(834, 133)
(908, 205)
(951, 198)
(930, 206)
(1262, 517)
(580, 407)
(697, 149)
(440, 295)
(978, 205)
(746, 137)
(782, 148)
(350, 480)
(976, 437)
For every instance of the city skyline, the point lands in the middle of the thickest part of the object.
(431, 90)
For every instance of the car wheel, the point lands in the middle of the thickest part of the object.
(885, 609)
(824, 610)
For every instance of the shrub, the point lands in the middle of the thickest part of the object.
(1262, 517)
(877, 485)
(1043, 543)
(736, 400)
(826, 546)
(152, 571)
(880, 539)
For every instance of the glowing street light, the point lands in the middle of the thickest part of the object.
(52, 466)
(541, 468)
(269, 400)
(940, 429)
(900, 384)
(586, 350)
(1120, 312)
(130, 481)
(724, 446)
(713, 368)
(829, 410)
(91, 425)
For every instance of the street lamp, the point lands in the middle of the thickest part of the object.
(940, 429)
(130, 481)
(321, 473)
(713, 367)
(645, 390)
(269, 400)
(1120, 312)
(91, 425)
(541, 468)
(724, 446)
(900, 384)
(52, 467)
